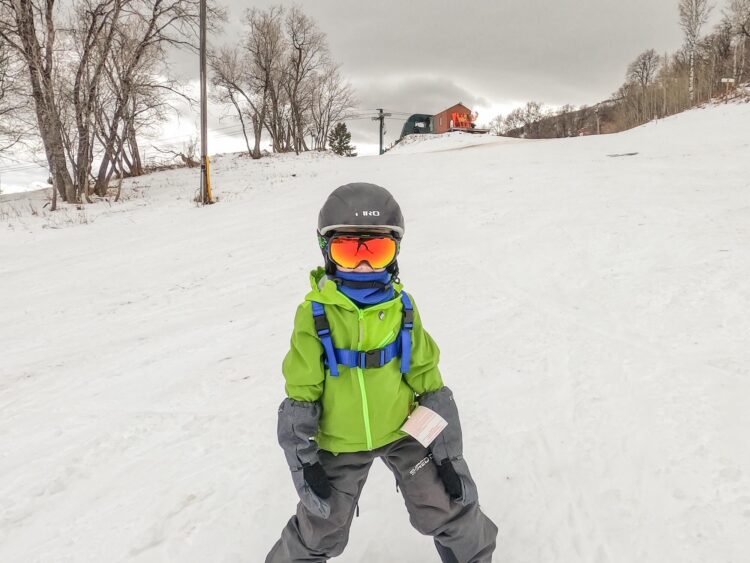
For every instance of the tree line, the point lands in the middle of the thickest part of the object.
(280, 80)
(656, 85)
(85, 82)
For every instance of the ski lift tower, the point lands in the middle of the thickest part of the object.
(381, 117)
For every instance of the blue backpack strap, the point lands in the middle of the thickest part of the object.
(407, 324)
(370, 358)
(324, 333)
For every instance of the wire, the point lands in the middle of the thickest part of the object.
(13, 159)
(28, 165)
(25, 167)
(235, 128)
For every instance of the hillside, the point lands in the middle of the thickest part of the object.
(589, 296)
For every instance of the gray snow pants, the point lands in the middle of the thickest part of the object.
(462, 534)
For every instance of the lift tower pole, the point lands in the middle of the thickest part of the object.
(381, 117)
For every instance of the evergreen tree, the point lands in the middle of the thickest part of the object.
(340, 141)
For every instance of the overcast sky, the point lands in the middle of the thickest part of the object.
(423, 56)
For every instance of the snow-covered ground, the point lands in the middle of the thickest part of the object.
(21, 176)
(414, 144)
(593, 312)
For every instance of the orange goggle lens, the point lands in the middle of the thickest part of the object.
(350, 252)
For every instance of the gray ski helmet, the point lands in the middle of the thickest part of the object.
(360, 205)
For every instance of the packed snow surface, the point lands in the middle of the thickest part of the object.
(592, 306)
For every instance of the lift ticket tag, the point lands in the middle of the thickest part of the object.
(424, 425)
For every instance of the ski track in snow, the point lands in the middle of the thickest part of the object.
(593, 315)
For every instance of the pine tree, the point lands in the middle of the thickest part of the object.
(340, 141)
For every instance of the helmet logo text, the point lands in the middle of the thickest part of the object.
(371, 213)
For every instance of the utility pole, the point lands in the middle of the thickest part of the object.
(381, 117)
(205, 196)
(598, 127)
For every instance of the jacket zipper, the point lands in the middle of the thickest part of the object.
(386, 340)
(361, 377)
(360, 372)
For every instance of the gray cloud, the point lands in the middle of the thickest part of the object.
(420, 94)
(424, 55)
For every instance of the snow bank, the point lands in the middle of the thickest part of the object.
(455, 140)
(591, 304)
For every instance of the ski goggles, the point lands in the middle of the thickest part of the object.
(349, 251)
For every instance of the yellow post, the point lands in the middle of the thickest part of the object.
(209, 195)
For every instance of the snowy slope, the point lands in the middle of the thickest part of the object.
(456, 140)
(593, 313)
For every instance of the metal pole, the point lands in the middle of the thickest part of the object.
(204, 109)
(381, 117)
(382, 123)
(596, 111)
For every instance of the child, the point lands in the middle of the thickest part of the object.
(360, 362)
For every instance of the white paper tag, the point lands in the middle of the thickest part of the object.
(424, 425)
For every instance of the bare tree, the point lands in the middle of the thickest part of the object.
(150, 97)
(715, 53)
(4, 92)
(497, 125)
(266, 49)
(332, 101)
(654, 85)
(644, 68)
(29, 27)
(514, 120)
(564, 121)
(738, 17)
(642, 71)
(738, 14)
(149, 103)
(106, 46)
(628, 113)
(266, 59)
(12, 103)
(281, 79)
(147, 29)
(231, 80)
(96, 23)
(533, 112)
(693, 16)
(308, 52)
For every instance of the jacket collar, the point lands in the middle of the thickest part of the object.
(326, 291)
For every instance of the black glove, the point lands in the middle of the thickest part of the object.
(451, 480)
(316, 478)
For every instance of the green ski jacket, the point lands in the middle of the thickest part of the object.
(362, 409)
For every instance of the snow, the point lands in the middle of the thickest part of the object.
(456, 140)
(593, 313)
(21, 175)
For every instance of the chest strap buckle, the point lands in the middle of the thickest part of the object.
(372, 359)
